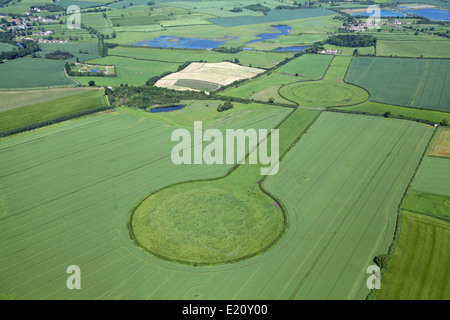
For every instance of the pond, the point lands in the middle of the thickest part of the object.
(166, 109)
(94, 70)
(185, 43)
(433, 14)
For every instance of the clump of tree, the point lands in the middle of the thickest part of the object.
(4, 2)
(143, 97)
(225, 106)
(48, 7)
(22, 49)
(382, 261)
(227, 49)
(59, 55)
(352, 40)
(236, 9)
(258, 8)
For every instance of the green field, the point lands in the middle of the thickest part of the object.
(23, 116)
(16, 99)
(419, 268)
(6, 47)
(32, 73)
(417, 83)
(207, 222)
(308, 67)
(329, 92)
(433, 176)
(435, 205)
(426, 49)
(72, 48)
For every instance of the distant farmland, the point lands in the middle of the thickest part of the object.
(417, 83)
(33, 73)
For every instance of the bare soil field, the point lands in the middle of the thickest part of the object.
(207, 76)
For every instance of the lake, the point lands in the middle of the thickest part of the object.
(184, 43)
(433, 14)
(283, 30)
(166, 109)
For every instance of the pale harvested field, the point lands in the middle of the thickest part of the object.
(221, 74)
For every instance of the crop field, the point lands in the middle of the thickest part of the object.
(22, 116)
(32, 73)
(419, 268)
(355, 217)
(207, 76)
(417, 83)
(16, 99)
(308, 66)
(440, 145)
(433, 176)
(426, 49)
(429, 204)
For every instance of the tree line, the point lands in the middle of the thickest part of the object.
(352, 40)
